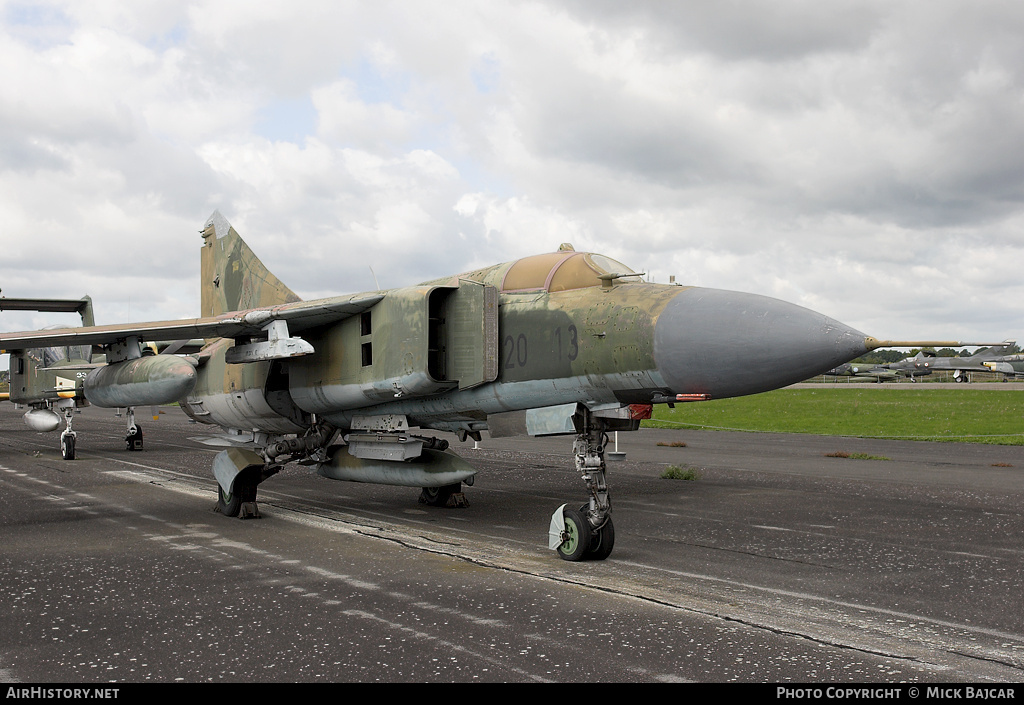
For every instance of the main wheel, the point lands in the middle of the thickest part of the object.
(602, 542)
(439, 496)
(228, 504)
(133, 441)
(67, 447)
(578, 536)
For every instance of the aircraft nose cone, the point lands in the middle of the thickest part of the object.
(727, 343)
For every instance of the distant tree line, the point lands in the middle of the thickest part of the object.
(882, 357)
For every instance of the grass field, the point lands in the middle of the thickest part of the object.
(975, 416)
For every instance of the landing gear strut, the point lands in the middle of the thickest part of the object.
(587, 533)
(133, 441)
(239, 471)
(67, 436)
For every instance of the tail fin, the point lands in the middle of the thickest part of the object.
(233, 278)
(993, 351)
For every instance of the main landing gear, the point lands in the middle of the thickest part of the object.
(239, 471)
(133, 440)
(586, 533)
(241, 502)
(446, 496)
(68, 436)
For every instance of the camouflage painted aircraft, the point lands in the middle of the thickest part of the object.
(49, 380)
(862, 370)
(563, 343)
(926, 362)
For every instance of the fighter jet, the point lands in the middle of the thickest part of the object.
(1008, 365)
(926, 362)
(562, 343)
(49, 380)
(863, 370)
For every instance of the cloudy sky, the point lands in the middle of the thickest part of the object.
(863, 159)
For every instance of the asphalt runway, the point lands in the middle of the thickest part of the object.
(777, 565)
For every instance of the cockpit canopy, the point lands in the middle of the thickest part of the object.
(561, 271)
(54, 355)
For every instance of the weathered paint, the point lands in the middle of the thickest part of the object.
(433, 468)
(397, 341)
(570, 327)
(252, 396)
(144, 381)
(618, 341)
(232, 277)
(33, 383)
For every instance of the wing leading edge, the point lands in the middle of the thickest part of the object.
(299, 316)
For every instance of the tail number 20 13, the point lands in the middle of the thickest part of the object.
(516, 350)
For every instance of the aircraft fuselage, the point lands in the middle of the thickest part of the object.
(425, 353)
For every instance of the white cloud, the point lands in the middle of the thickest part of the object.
(346, 120)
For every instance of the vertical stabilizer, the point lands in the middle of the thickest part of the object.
(233, 278)
(991, 352)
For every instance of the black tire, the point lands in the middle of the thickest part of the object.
(575, 547)
(133, 438)
(228, 504)
(439, 496)
(67, 447)
(602, 542)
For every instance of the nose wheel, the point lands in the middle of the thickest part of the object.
(574, 536)
(602, 541)
(574, 539)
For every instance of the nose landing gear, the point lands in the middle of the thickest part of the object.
(587, 533)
